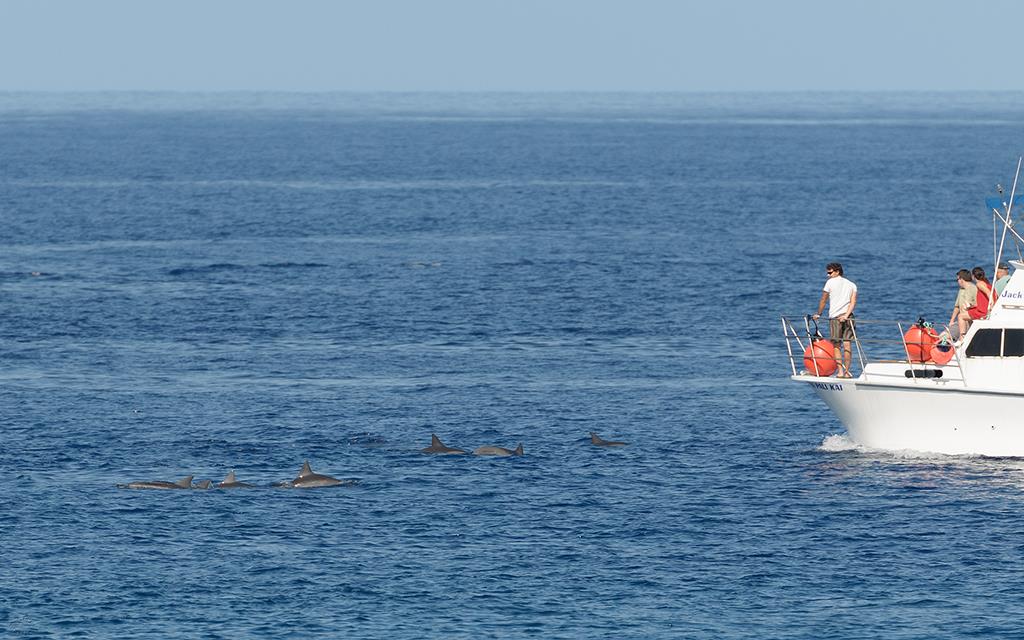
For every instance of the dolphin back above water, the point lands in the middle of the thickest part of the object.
(229, 482)
(308, 480)
(601, 442)
(436, 446)
(184, 483)
(488, 450)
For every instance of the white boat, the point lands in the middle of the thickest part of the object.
(973, 404)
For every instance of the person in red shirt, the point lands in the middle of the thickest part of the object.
(985, 295)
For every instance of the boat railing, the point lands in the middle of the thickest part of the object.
(872, 341)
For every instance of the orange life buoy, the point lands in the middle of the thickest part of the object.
(820, 358)
(919, 342)
(942, 352)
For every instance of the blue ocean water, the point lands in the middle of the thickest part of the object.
(198, 283)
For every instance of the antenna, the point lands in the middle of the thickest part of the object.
(1008, 221)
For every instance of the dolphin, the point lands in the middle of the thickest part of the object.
(184, 483)
(436, 446)
(489, 450)
(229, 482)
(599, 441)
(203, 484)
(307, 479)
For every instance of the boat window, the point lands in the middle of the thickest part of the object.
(985, 343)
(1013, 343)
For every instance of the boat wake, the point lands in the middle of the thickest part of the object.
(842, 443)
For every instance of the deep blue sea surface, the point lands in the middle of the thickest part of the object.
(191, 284)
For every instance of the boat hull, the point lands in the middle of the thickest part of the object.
(925, 418)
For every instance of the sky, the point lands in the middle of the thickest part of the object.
(509, 45)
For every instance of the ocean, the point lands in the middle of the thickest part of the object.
(195, 283)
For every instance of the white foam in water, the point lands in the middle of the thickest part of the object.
(839, 442)
(913, 454)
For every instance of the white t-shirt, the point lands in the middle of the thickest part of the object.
(840, 294)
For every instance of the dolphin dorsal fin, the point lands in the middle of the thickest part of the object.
(519, 450)
(185, 482)
(205, 484)
(435, 441)
(229, 478)
(595, 439)
(306, 471)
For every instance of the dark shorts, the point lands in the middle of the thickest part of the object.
(840, 330)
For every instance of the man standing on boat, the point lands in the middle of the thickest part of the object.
(841, 295)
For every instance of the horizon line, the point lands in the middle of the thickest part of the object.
(510, 91)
